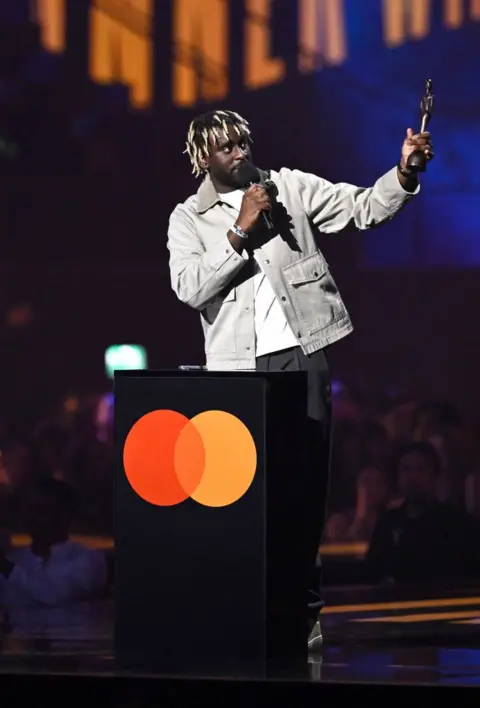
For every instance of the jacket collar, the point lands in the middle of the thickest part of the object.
(207, 195)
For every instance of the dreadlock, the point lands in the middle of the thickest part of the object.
(213, 123)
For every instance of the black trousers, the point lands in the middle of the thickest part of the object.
(319, 448)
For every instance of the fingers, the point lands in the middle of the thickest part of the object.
(427, 149)
(421, 138)
(420, 141)
(264, 204)
(258, 194)
(255, 189)
(422, 145)
(411, 137)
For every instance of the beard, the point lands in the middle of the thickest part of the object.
(230, 179)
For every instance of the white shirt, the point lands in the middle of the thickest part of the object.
(272, 331)
(72, 573)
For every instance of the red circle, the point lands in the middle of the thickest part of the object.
(149, 457)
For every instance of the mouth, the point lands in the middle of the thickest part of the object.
(237, 167)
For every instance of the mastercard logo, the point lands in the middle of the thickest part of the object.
(211, 458)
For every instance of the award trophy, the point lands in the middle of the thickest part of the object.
(417, 161)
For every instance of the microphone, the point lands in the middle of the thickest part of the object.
(248, 174)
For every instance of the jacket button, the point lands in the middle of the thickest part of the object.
(299, 335)
(315, 275)
(267, 261)
(283, 298)
(247, 348)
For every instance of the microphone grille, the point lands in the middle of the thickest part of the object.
(247, 174)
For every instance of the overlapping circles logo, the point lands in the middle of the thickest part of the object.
(211, 458)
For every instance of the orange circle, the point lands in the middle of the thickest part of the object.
(149, 458)
(230, 458)
(211, 458)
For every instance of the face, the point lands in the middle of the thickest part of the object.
(227, 154)
(416, 477)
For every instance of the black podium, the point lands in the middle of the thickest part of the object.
(211, 580)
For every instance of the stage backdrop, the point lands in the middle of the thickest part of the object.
(329, 86)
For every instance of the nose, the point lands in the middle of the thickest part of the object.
(239, 153)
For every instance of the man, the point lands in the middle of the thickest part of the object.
(422, 539)
(52, 571)
(266, 297)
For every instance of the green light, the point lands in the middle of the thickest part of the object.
(124, 357)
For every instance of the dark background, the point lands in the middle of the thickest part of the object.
(87, 188)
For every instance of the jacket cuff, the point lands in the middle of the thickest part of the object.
(391, 187)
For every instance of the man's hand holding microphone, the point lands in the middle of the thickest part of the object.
(256, 204)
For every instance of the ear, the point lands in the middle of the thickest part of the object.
(203, 163)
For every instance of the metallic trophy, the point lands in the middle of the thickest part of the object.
(417, 162)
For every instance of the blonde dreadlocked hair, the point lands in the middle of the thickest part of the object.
(214, 123)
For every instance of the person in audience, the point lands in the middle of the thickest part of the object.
(91, 474)
(432, 419)
(422, 539)
(347, 459)
(356, 445)
(16, 464)
(53, 570)
(347, 402)
(442, 425)
(51, 445)
(377, 448)
(16, 470)
(357, 524)
(397, 420)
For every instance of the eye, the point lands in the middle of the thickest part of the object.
(227, 148)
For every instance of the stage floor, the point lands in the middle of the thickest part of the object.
(386, 636)
(402, 636)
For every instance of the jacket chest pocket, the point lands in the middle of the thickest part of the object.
(314, 293)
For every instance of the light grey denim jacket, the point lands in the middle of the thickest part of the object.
(210, 276)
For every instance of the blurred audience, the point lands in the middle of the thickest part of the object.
(422, 539)
(347, 459)
(443, 426)
(357, 524)
(397, 419)
(405, 482)
(52, 570)
(347, 402)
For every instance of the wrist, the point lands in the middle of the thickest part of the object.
(239, 230)
(404, 170)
